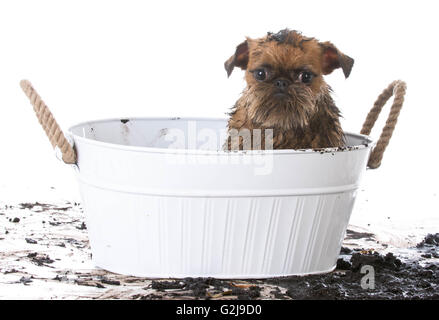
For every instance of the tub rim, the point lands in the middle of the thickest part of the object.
(369, 141)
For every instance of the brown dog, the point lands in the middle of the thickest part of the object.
(286, 92)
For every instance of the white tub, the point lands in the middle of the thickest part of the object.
(190, 210)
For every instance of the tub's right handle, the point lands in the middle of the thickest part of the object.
(397, 88)
(49, 124)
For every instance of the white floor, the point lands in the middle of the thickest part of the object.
(397, 223)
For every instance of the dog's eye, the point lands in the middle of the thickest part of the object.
(306, 77)
(260, 74)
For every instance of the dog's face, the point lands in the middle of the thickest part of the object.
(284, 75)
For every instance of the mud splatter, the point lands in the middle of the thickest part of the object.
(57, 255)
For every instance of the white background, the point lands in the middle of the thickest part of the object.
(103, 59)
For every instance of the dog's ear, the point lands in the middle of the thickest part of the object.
(239, 59)
(332, 59)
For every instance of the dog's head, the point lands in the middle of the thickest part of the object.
(284, 74)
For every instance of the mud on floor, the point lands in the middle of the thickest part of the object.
(360, 274)
(44, 253)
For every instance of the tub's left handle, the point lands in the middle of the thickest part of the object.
(49, 124)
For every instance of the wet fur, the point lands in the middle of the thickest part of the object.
(318, 129)
(307, 116)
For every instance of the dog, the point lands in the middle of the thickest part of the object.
(286, 93)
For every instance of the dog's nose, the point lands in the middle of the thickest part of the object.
(281, 83)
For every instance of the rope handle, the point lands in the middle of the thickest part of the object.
(49, 124)
(398, 89)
